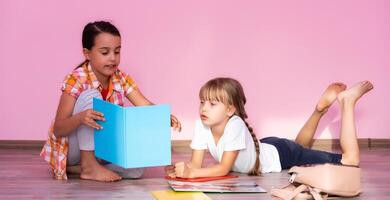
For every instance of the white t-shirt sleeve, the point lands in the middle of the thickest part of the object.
(199, 141)
(235, 134)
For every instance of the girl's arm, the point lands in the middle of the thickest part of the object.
(197, 158)
(138, 99)
(186, 170)
(65, 123)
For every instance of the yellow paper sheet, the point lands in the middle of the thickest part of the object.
(172, 195)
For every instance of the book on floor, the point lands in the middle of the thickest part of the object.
(133, 137)
(201, 179)
(172, 195)
(238, 186)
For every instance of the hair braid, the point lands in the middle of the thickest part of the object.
(256, 168)
(240, 106)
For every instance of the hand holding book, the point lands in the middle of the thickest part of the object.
(89, 117)
(175, 123)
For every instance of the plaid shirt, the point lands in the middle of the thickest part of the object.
(55, 150)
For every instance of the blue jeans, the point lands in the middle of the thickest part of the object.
(293, 154)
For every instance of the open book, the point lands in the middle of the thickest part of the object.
(220, 186)
(201, 179)
(133, 137)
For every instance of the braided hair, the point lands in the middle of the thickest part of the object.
(230, 92)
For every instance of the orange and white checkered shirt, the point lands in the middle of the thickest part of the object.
(55, 150)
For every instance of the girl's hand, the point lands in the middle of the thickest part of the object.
(184, 170)
(170, 171)
(176, 125)
(89, 116)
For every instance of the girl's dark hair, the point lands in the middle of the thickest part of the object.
(230, 92)
(93, 29)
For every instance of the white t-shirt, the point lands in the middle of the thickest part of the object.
(236, 136)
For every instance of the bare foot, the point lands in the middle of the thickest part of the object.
(98, 173)
(329, 96)
(354, 93)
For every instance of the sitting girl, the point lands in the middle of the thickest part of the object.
(223, 130)
(70, 145)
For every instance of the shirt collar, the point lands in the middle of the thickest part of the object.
(114, 83)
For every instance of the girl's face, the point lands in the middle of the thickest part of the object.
(213, 113)
(104, 56)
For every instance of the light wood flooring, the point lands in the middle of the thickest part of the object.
(24, 175)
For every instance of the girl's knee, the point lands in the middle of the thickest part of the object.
(85, 100)
(126, 173)
(133, 173)
(353, 160)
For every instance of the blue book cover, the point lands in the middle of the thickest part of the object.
(133, 137)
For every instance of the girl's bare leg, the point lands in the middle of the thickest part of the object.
(306, 134)
(348, 139)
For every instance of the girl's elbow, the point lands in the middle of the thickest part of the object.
(56, 130)
(55, 133)
(225, 171)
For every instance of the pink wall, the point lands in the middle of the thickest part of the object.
(284, 53)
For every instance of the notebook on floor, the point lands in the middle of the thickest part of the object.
(201, 179)
(172, 195)
(238, 186)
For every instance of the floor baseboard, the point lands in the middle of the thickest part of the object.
(184, 145)
(21, 144)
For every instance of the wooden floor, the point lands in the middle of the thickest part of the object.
(24, 175)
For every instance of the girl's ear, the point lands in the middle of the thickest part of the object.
(231, 110)
(86, 53)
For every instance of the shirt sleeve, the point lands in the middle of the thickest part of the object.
(129, 84)
(199, 141)
(235, 135)
(71, 86)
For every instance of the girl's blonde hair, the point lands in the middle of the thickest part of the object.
(230, 92)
